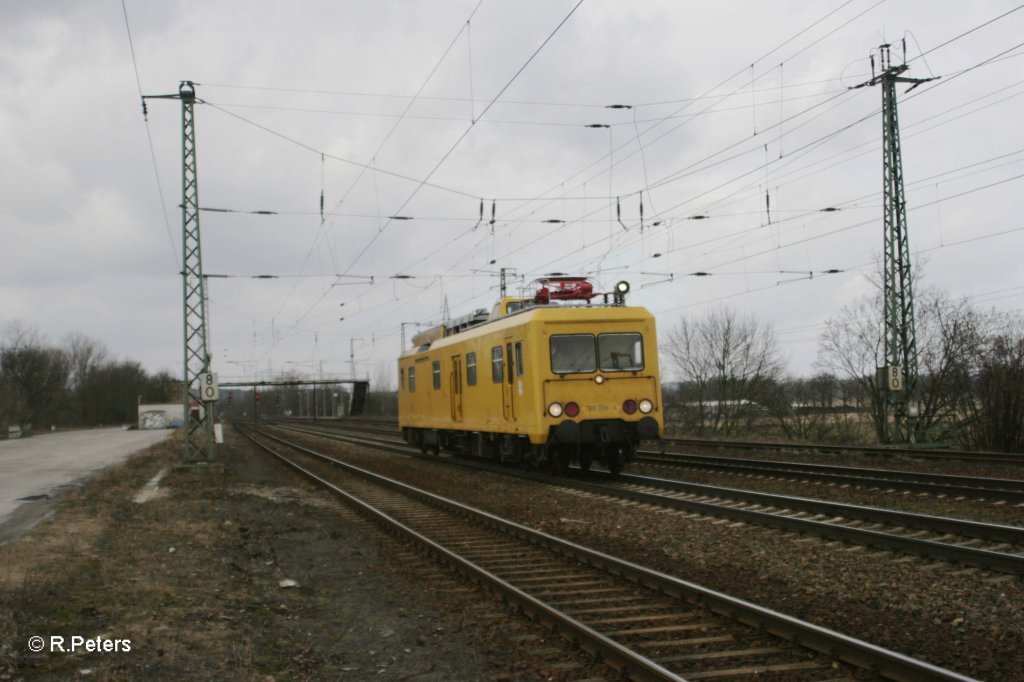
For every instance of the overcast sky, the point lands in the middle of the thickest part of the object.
(740, 112)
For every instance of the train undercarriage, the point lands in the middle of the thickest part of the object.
(611, 443)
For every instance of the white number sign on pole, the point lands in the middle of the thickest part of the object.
(208, 392)
(895, 378)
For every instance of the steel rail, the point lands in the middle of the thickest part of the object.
(1002, 488)
(621, 658)
(938, 524)
(944, 551)
(884, 662)
(969, 556)
(920, 453)
(1011, 489)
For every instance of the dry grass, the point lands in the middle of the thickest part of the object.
(191, 578)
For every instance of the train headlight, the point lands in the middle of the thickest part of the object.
(572, 410)
(555, 409)
(599, 379)
(646, 406)
(622, 288)
(629, 406)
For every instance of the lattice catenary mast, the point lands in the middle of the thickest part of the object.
(199, 442)
(898, 376)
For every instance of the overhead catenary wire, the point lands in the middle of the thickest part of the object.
(380, 147)
(335, 157)
(654, 185)
(764, 56)
(511, 102)
(918, 206)
(765, 104)
(862, 119)
(506, 221)
(444, 157)
(149, 137)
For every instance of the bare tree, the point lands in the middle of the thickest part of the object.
(953, 331)
(85, 356)
(993, 409)
(728, 365)
(34, 378)
(851, 346)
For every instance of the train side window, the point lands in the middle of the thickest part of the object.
(497, 365)
(412, 380)
(471, 369)
(621, 352)
(436, 368)
(573, 353)
(519, 358)
(401, 379)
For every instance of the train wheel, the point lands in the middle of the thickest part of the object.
(585, 461)
(559, 460)
(555, 455)
(527, 457)
(616, 460)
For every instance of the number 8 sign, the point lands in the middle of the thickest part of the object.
(208, 387)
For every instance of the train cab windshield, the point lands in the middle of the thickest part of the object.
(621, 352)
(613, 352)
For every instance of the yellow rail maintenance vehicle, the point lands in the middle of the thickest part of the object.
(565, 375)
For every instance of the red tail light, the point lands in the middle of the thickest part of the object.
(572, 410)
(629, 407)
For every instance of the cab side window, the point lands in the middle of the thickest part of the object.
(471, 369)
(497, 365)
(436, 367)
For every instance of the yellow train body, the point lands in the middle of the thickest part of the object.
(543, 385)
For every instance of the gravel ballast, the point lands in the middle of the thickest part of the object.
(968, 620)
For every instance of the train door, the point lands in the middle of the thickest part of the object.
(508, 386)
(518, 387)
(456, 387)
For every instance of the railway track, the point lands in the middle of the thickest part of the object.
(645, 624)
(917, 453)
(1010, 490)
(969, 543)
(755, 446)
